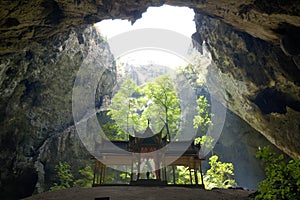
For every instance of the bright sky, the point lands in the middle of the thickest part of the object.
(178, 19)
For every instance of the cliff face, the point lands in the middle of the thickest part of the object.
(258, 82)
(255, 45)
(36, 103)
(238, 144)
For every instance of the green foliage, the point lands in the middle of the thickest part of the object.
(205, 140)
(121, 110)
(132, 106)
(183, 175)
(86, 179)
(165, 109)
(220, 175)
(65, 176)
(282, 178)
(113, 131)
(203, 120)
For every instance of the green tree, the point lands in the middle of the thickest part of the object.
(205, 140)
(86, 179)
(183, 175)
(65, 176)
(203, 120)
(124, 109)
(113, 131)
(220, 175)
(133, 106)
(282, 178)
(165, 106)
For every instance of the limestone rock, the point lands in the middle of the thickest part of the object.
(238, 144)
(36, 99)
(255, 81)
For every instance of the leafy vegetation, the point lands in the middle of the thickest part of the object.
(64, 175)
(122, 112)
(165, 106)
(183, 175)
(220, 175)
(203, 120)
(282, 178)
(205, 140)
(86, 179)
(133, 106)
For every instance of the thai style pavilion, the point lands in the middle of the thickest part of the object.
(136, 153)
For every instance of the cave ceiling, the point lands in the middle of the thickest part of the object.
(23, 22)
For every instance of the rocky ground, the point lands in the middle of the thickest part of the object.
(149, 193)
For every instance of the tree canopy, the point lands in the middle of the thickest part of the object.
(134, 105)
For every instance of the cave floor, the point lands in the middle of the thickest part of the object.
(139, 192)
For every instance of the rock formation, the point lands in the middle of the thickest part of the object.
(255, 45)
(36, 105)
(258, 82)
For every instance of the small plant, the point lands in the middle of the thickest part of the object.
(220, 175)
(205, 140)
(282, 178)
(86, 177)
(65, 176)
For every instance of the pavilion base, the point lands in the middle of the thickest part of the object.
(148, 182)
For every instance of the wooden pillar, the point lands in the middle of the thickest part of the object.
(196, 176)
(174, 178)
(165, 171)
(94, 177)
(139, 165)
(157, 166)
(98, 172)
(191, 178)
(131, 175)
(201, 175)
(101, 175)
(104, 171)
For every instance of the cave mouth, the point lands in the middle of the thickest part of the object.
(145, 63)
(171, 18)
(179, 19)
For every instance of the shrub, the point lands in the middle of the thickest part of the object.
(65, 176)
(220, 175)
(282, 178)
(86, 179)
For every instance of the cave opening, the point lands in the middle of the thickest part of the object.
(174, 19)
(146, 63)
(179, 20)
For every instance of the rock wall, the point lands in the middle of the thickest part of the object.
(36, 103)
(238, 144)
(64, 146)
(255, 81)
